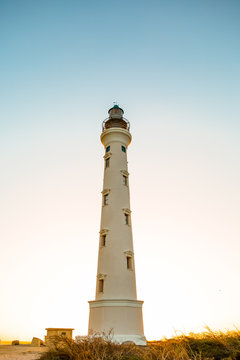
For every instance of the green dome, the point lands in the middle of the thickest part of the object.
(115, 107)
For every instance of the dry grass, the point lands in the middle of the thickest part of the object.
(207, 346)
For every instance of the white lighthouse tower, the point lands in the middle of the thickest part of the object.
(116, 307)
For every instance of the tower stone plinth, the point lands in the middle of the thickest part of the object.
(116, 307)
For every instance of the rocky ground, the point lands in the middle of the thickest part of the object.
(20, 352)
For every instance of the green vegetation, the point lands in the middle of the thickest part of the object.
(206, 346)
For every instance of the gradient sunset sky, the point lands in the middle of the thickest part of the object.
(174, 67)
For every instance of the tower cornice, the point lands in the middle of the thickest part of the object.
(116, 135)
(116, 303)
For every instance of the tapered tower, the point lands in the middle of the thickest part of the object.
(116, 306)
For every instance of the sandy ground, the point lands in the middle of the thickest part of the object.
(20, 352)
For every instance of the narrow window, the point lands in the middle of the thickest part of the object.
(100, 285)
(123, 148)
(105, 199)
(108, 148)
(129, 262)
(63, 334)
(107, 162)
(103, 240)
(124, 180)
(126, 219)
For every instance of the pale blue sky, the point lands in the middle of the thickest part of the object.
(174, 68)
(72, 54)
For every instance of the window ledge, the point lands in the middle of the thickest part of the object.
(106, 191)
(124, 172)
(103, 232)
(107, 155)
(126, 211)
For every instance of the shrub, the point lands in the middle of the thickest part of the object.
(91, 348)
(207, 346)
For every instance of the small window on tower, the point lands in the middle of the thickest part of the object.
(123, 148)
(126, 219)
(103, 240)
(108, 148)
(129, 262)
(105, 199)
(107, 162)
(124, 180)
(100, 285)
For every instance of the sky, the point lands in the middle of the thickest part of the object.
(174, 67)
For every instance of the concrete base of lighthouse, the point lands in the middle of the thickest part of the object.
(122, 318)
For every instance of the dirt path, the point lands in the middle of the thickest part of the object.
(20, 352)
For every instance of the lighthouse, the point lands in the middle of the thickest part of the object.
(116, 308)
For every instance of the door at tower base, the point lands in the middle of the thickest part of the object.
(121, 318)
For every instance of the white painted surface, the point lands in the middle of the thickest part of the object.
(116, 308)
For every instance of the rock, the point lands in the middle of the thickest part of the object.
(36, 342)
(15, 342)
